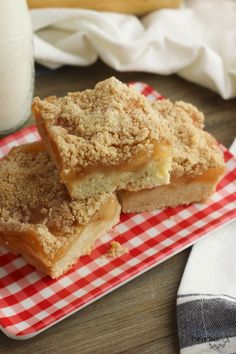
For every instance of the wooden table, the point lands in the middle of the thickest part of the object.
(138, 318)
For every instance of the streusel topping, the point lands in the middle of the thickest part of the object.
(105, 126)
(31, 193)
(194, 150)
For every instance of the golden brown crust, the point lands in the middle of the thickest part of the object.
(194, 150)
(107, 126)
(33, 198)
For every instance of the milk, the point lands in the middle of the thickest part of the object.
(16, 64)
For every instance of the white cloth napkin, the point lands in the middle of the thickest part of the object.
(198, 41)
(206, 301)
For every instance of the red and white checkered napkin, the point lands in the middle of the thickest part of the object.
(30, 302)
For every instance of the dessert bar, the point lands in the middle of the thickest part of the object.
(197, 164)
(104, 139)
(38, 218)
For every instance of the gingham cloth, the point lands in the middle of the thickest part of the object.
(206, 301)
(30, 301)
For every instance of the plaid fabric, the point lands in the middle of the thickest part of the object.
(30, 302)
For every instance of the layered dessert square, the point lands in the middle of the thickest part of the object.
(197, 164)
(38, 218)
(104, 139)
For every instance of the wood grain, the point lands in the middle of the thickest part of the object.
(136, 7)
(138, 318)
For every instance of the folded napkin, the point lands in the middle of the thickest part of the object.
(197, 41)
(206, 301)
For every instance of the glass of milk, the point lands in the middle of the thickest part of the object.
(16, 65)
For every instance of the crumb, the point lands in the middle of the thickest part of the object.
(116, 250)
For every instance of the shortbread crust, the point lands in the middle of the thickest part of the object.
(104, 139)
(197, 163)
(38, 218)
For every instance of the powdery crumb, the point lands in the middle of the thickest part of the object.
(116, 250)
(194, 150)
(107, 126)
(33, 198)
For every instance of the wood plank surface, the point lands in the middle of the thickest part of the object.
(140, 317)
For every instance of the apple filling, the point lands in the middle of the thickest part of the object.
(144, 171)
(30, 243)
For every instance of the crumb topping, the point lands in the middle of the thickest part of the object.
(116, 250)
(33, 196)
(107, 125)
(194, 150)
